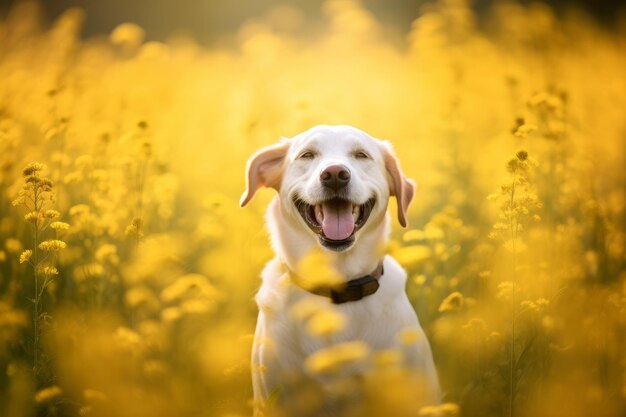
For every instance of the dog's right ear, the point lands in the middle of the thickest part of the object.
(265, 169)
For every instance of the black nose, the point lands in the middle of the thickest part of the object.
(335, 177)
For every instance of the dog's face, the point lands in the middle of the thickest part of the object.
(333, 181)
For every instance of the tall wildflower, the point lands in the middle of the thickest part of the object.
(139, 174)
(38, 198)
(517, 202)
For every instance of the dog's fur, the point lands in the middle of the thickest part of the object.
(282, 344)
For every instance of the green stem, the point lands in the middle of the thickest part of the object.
(37, 297)
(513, 225)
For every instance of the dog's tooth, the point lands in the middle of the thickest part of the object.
(356, 210)
(319, 213)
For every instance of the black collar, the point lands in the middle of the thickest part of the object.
(353, 290)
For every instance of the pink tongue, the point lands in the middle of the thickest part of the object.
(338, 223)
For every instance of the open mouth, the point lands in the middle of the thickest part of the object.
(335, 220)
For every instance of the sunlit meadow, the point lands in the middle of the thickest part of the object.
(127, 269)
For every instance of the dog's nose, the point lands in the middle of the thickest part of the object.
(335, 176)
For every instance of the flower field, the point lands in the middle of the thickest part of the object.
(128, 270)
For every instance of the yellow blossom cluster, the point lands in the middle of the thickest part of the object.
(52, 245)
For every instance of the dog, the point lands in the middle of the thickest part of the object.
(333, 184)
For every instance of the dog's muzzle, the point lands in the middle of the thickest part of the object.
(335, 177)
(335, 220)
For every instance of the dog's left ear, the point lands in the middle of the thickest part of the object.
(399, 186)
(265, 169)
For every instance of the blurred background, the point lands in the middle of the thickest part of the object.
(207, 20)
(128, 271)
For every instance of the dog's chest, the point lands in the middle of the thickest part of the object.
(375, 320)
(287, 347)
(366, 321)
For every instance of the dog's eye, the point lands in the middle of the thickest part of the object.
(307, 155)
(361, 155)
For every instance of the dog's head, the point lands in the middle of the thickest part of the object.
(335, 182)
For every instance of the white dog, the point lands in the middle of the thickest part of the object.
(333, 186)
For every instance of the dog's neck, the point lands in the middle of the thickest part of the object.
(291, 242)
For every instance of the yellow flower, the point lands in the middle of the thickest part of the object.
(13, 245)
(315, 270)
(190, 285)
(411, 255)
(59, 226)
(88, 270)
(452, 302)
(197, 306)
(84, 161)
(134, 229)
(524, 130)
(92, 395)
(128, 338)
(79, 209)
(171, 314)
(410, 336)
(321, 318)
(413, 235)
(127, 35)
(333, 359)
(449, 409)
(52, 214)
(326, 323)
(442, 410)
(475, 325)
(433, 232)
(74, 176)
(506, 289)
(33, 168)
(33, 216)
(428, 411)
(47, 394)
(11, 318)
(52, 245)
(48, 270)
(522, 155)
(388, 358)
(85, 410)
(420, 279)
(141, 295)
(26, 255)
(307, 308)
(512, 165)
(46, 184)
(107, 253)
